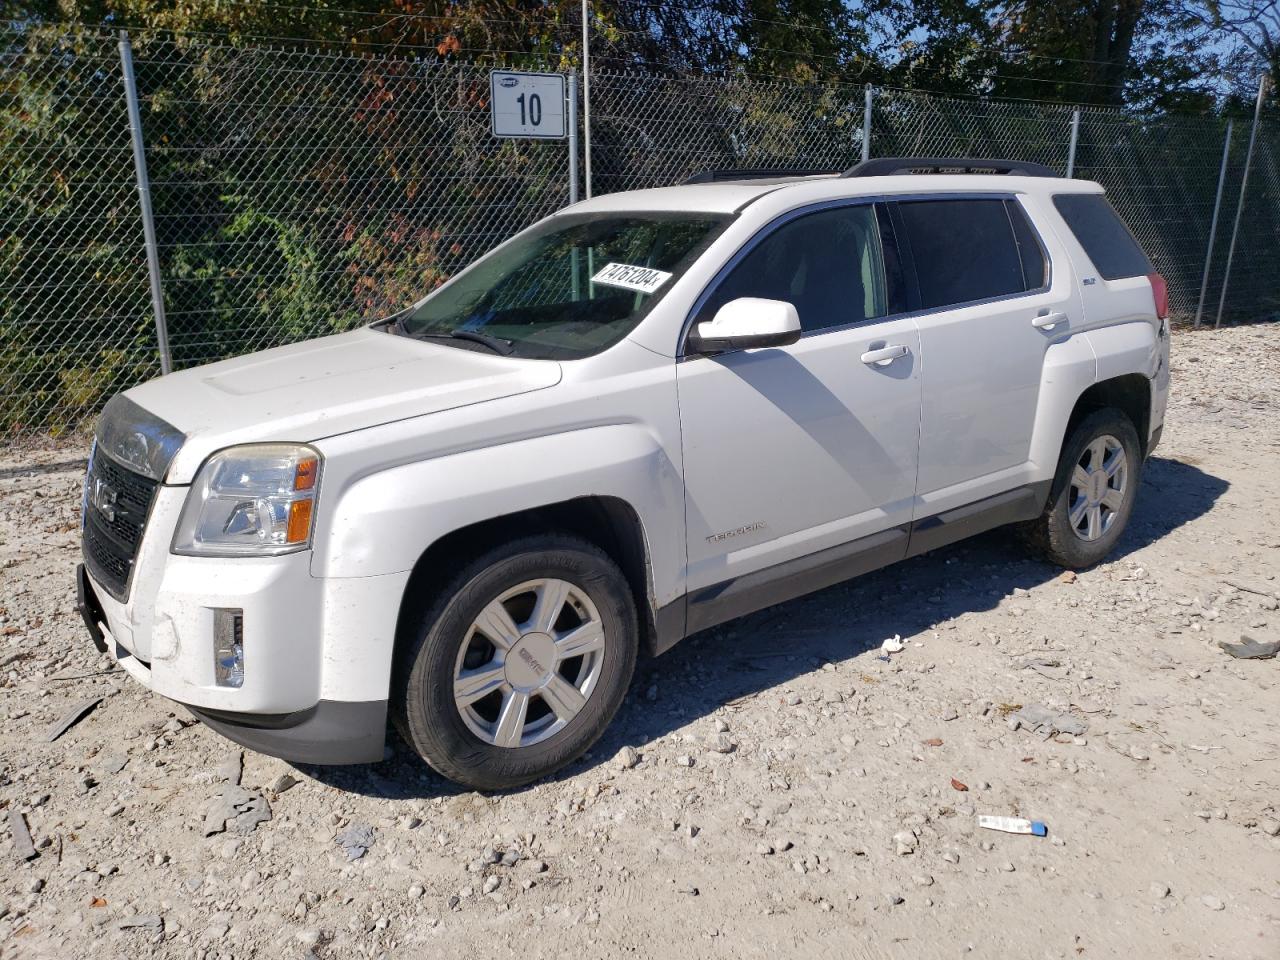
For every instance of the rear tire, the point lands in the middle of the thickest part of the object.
(1093, 492)
(520, 664)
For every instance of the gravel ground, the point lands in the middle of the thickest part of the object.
(772, 787)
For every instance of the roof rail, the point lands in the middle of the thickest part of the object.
(754, 173)
(888, 166)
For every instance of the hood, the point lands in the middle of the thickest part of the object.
(315, 389)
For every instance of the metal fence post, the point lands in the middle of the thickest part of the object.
(573, 173)
(1244, 182)
(866, 122)
(586, 95)
(1075, 139)
(1213, 224)
(573, 138)
(144, 200)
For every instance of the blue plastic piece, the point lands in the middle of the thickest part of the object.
(1038, 828)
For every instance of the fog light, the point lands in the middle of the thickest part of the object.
(228, 648)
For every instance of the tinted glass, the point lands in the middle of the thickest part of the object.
(827, 264)
(568, 288)
(1103, 235)
(964, 250)
(1034, 272)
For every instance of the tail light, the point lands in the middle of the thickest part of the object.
(1160, 290)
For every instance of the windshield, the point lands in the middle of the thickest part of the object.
(568, 288)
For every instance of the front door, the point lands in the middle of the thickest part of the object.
(798, 458)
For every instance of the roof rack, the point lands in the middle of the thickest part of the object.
(754, 173)
(889, 166)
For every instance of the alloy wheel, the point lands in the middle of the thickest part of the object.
(529, 663)
(1099, 483)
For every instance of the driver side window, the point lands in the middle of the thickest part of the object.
(828, 264)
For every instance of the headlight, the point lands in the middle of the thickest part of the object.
(255, 500)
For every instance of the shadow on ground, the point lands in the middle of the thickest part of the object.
(756, 654)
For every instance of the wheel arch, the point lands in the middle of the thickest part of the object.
(1130, 393)
(608, 522)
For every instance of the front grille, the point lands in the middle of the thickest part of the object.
(117, 502)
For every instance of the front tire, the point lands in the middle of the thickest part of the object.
(1093, 492)
(521, 663)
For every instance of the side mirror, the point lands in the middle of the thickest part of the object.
(746, 324)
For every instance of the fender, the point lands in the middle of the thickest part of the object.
(1122, 348)
(382, 523)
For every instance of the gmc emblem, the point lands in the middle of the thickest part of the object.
(103, 497)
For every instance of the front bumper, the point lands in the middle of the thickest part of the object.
(282, 710)
(331, 732)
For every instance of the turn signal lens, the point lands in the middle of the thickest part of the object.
(304, 476)
(299, 521)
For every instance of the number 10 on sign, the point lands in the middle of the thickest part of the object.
(527, 104)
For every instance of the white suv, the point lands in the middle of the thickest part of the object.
(643, 416)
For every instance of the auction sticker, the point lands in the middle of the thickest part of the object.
(642, 279)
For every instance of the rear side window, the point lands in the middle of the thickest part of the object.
(967, 250)
(1105, 238)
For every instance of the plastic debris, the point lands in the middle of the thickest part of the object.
(1251, 649)
(893, 645)
(70, 719)
(236, 809)
(355, 840)
(1041, 719)
(1034, 828)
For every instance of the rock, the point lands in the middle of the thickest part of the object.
(626, 758)
(922, 880)
(1212, 902)
(309, 936)
(356, 840)
(23, 848)
(893, 899)
(720, 743)
(684, 760)
(236, 809)
(1006, 867)
(1159, 891)
(490, 885)
(231, 769)
(904, 842)
(950, 713)
(764, 849)
(1269, 826)
(416, 891)
(282, 783)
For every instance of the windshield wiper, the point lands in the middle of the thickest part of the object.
(496, 344)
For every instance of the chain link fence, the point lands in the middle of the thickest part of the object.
(302, 192)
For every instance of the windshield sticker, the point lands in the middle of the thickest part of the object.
(624, 275)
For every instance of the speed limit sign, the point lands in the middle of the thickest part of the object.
(527, 104)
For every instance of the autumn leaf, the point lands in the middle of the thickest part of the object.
(957, 785)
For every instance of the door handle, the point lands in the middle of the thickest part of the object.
(1047, 321)
(885, 355)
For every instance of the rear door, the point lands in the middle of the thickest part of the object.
(989, 305)
(793, 450)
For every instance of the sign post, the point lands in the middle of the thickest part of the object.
(527, 105)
